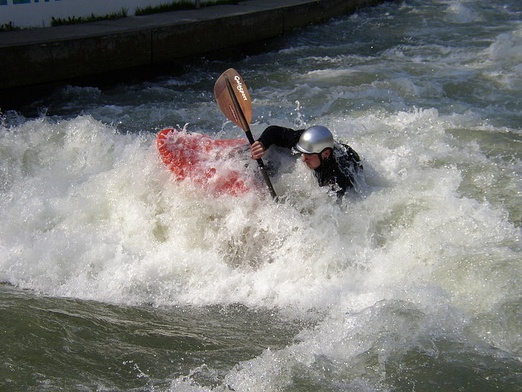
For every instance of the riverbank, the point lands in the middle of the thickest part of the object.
(41, 57)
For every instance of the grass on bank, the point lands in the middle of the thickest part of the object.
(93, 18)
(178, 6)
(9, 27)
(173, 6)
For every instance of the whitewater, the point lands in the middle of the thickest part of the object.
(116, 277)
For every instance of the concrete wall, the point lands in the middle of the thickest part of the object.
(38, 56)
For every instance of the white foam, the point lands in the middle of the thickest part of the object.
(91, 213)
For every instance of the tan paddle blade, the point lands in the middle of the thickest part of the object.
(234, 101)
(233, 98)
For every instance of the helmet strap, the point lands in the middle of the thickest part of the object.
(321, 159)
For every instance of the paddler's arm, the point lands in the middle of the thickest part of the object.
(279, 136)
(257, 150)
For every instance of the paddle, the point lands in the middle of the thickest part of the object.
(234, 101)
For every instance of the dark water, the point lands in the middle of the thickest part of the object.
(87, 345)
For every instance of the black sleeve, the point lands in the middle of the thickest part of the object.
(280, 136)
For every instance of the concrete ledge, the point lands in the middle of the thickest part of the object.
(57, 54)
(207, 36)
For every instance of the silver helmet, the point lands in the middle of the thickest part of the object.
(314, 140)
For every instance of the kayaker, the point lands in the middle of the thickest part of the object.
(334, 164)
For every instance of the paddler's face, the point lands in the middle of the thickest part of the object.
(311, 160)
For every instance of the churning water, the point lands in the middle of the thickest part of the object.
(115, 277)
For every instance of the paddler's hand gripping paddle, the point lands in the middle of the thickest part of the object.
(234, 101)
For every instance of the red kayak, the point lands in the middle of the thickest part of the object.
(204, 161)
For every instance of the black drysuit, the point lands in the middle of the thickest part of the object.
(339, 171)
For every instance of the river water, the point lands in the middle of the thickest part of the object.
(117, 278)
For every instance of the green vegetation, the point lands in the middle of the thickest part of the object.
(179, 5)
(173, 6)
(8, 27)
(93, 18)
